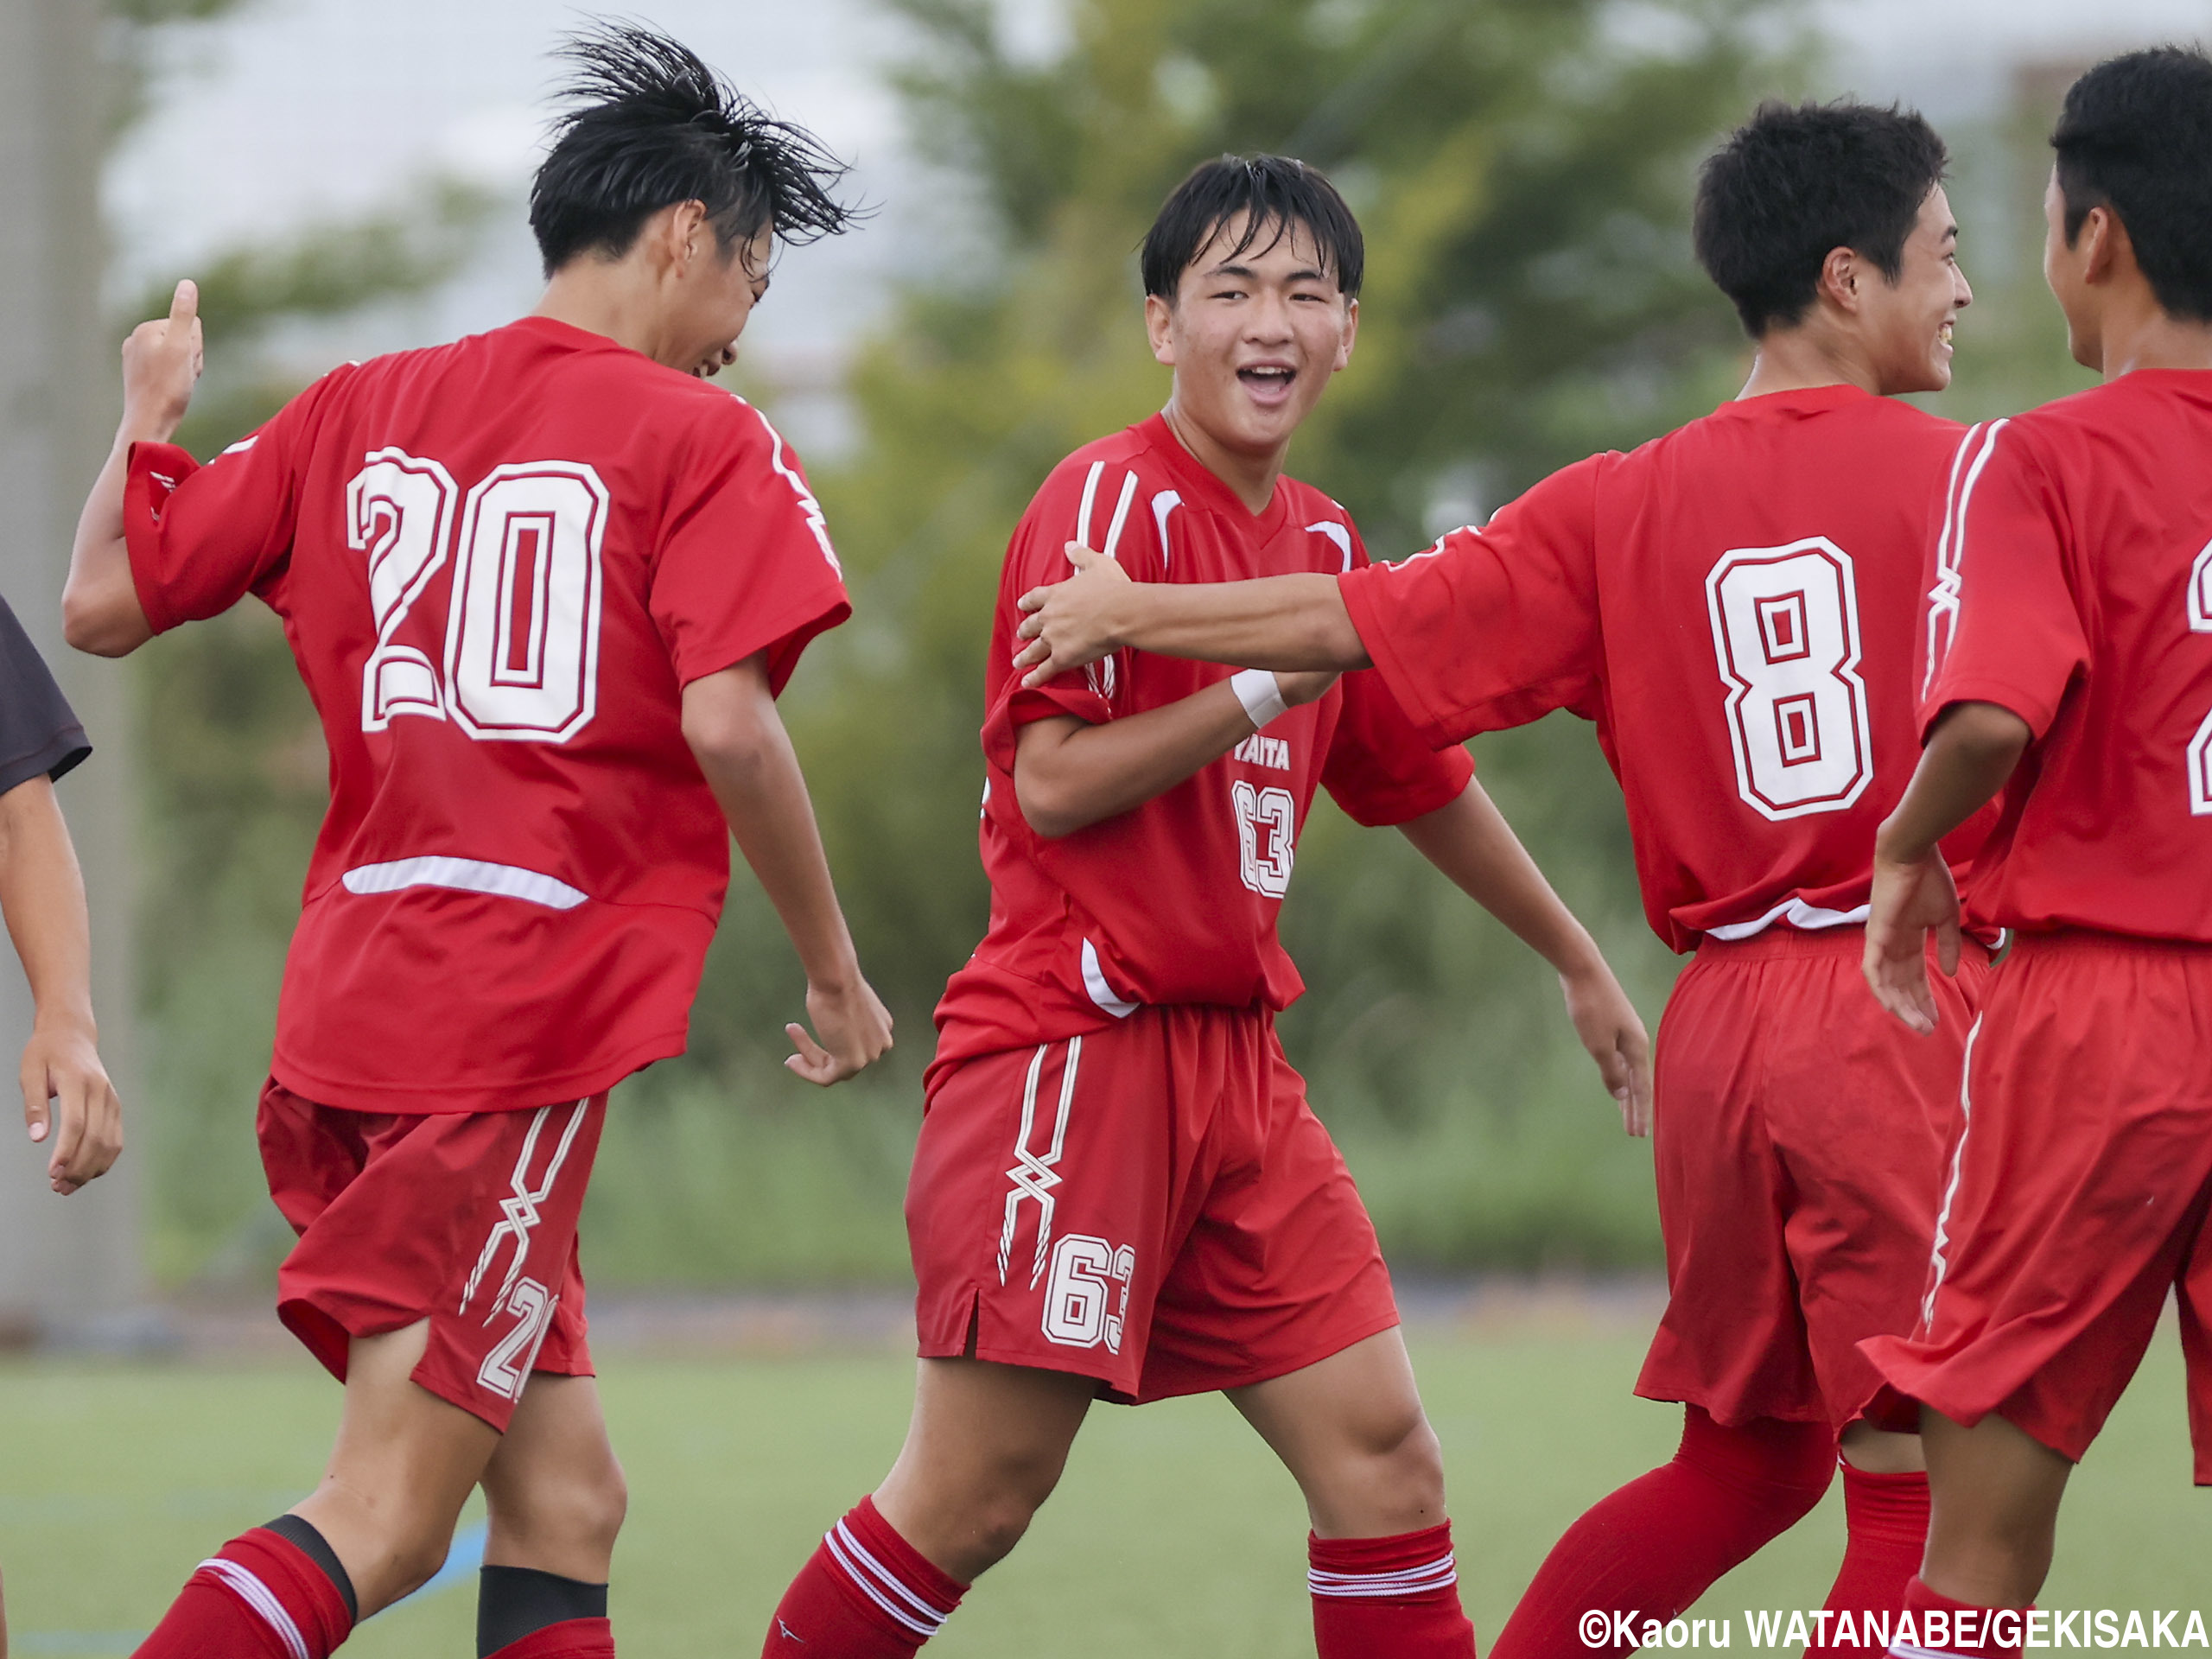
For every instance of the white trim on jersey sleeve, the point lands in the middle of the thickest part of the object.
(1163, 504)
(1796, 913)
(1337, 533)
(1094, 981)
(464, 875)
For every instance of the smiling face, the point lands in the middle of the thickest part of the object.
(715, 296)
(1253, 337)
(1906, 324)
(2067, 265)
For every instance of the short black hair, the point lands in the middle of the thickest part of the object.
(1797, 181)
(653, 127)
(2135, 136)
(1274, 194)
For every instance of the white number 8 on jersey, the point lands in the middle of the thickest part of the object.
(1785, 631)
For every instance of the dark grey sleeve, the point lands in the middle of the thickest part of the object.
(39, 732)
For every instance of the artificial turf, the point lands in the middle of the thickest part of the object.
(1173, 1534)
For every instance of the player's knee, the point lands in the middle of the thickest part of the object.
(1412, 1464)
(411, 1562)
(567, 1510)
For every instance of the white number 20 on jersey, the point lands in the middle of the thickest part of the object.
(1785, 631)
(521, 658)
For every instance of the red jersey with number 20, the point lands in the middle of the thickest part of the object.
(497, 562)
(2076, 591)
(1173, 902)
(1738, 606)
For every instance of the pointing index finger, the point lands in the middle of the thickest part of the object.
(184, 304)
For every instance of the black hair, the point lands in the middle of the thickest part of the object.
(1274, 193)
(653, 126)
(1797, 181)
(2136, 137)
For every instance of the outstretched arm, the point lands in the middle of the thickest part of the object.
(731, 723)
(67, 1099)
(1973, 752)
(1278, 622)
(101, 611)
(1471, 841)
(1069, 774)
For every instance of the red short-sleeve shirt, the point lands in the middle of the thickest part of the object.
(1173, 902)
(1738, 606)
(2077, 592)
(499, 562)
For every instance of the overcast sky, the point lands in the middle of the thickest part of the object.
(293, 109)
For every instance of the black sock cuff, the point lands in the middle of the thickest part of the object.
(513, 1602)
(302, 1537)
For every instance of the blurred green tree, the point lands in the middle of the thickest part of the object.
(231, 761)
(1522, 169)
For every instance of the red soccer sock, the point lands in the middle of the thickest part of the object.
(1887, 1518)
(1938, 1623)
(1388, 1598)
(1653, 1548)
(867, 1593)
(572, 1638)
(261, 1597)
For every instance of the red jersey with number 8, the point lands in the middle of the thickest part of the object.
(2076, 591)
(1173, 902)
(1738, 606)
(499, 562)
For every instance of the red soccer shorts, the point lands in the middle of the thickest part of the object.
(1153, 1204)
(1800, 1135)
(2079, 1193)
(466, 1219)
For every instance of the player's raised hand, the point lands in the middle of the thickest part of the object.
(1613, 1033)
(854, 1028)
(162, 361)
(68, 1101)
(1907, 901)
(1069, 624)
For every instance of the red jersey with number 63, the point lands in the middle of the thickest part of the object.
(1173, 902)
(2076, 591)
(497, 562)
(1739, 607)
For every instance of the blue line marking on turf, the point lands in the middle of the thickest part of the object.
(463, 1562)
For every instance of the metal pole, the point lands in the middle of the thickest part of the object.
(71, 1270)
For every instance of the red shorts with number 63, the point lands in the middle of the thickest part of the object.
(1153, 1204)
(467, 1219)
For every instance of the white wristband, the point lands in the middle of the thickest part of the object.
(1261, 693)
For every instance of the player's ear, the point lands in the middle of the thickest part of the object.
(1840, 278)
(2106, 249)
(1350, 336)
(1159, 328)
(687, 235)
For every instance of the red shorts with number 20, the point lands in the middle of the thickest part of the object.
(467, 1219)
(1154, 1204)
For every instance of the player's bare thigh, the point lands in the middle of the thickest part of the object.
(555, 1490)
(404, 1463)
(1352, 1431)
(983, 1452)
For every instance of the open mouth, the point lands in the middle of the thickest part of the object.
(1269, 382)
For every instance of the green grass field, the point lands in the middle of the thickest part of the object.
(1175, 1533)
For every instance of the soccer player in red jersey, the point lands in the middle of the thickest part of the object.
(1738, 605)
(543, 586)
(1119, 1188)
(2074, 675)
